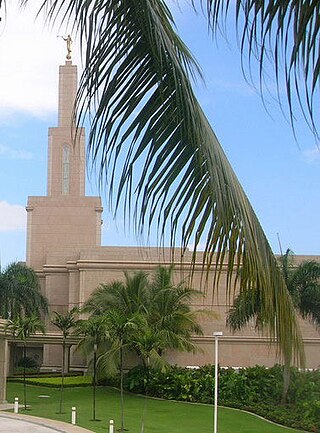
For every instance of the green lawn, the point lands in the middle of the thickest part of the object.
(162, 416)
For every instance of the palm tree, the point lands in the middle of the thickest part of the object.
(165, 309)
(169, 313)
(20, 293)
(145, 317)
(136, 88)
(93, 332)
(146, 343)
(119, 305)
(303, 285)
(22, 327)
(303, 282)
(121, 329)
(128, 296)
(65, 322)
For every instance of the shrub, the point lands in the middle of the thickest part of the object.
(256, 389)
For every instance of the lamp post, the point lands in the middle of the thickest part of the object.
(216, 366)
(95, 348)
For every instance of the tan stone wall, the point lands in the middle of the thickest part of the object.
(68, 83)
(52, 357)
(241, 351)
(57, 222)
(58, 138)
(234, 352)
(76, 280)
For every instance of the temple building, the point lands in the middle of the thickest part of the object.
(64, 248)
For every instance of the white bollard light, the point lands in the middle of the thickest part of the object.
(111, 426)
(16, 405)
(73, 415)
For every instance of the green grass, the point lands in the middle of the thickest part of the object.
(162, 416)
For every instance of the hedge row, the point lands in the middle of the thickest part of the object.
(55, 382)
(35, 372)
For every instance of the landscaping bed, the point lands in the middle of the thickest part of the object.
(255, 389)
(159, 415)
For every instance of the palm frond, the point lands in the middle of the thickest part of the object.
(106, 296)
(108, 361)
(284, 34)
(93, 331)
(308, 272)
(156, 361)
(157, 152)
(65, 322)
(23, 327)
(309, 306)
(246, 307)
(20, 292)
(305, 284)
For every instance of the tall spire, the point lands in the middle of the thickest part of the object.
(65, 218)
(68, 81)
(66, 157)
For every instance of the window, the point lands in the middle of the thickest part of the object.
(66, 169)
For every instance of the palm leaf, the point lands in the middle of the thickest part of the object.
(284, 34)
(246, 307)
(20, 292)
(304, 284)
(157, 152)
(23, 327)
(65, 322)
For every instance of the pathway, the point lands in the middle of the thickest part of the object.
(17, 423)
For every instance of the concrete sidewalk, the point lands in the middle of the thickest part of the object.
(18, 423)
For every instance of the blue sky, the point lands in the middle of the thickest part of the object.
(280, 175)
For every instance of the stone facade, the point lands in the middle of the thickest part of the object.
(64, 247)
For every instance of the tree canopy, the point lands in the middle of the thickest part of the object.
(147, 316)
(303, 285)
(20, 293)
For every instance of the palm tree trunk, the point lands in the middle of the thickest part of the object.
(145, 395)
(121, 389)
(68, 359)
(94, 384)
(24, 376)
(286, 376)
(62, 375)
(286, 379)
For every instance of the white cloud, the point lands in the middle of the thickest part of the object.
(13, 217)
(30, 55)
(312, 155)
(9, 153)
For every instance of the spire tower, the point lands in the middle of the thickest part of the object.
(65, 218)
(66, 156)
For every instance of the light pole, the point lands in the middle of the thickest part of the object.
(95, 348)
(216, 366)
